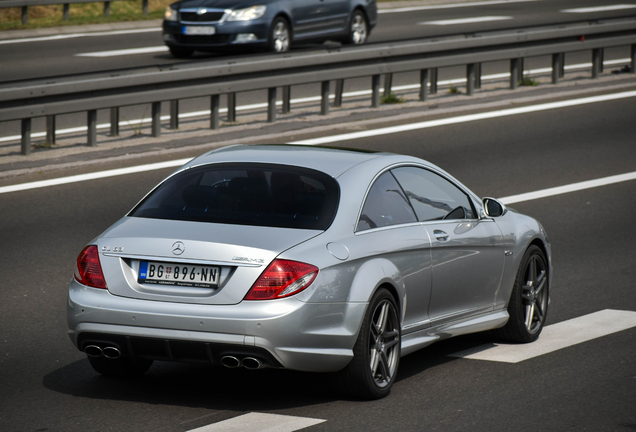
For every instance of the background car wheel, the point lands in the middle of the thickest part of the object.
(358, 29)
(376, 354)
(125, 367)
(280, 36)
(528, 307)
(181, 52)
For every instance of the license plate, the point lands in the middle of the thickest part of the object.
(199, 30)
(185, 275)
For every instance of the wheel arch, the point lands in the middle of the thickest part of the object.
(287, 17)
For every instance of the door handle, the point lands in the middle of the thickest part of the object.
(440, 235)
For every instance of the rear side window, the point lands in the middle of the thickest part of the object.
(246, 194)
(385, 205)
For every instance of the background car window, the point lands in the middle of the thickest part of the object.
(432, 196)
(246, 194)
(385, 205)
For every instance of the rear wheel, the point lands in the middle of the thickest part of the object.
(124, 367)
(279, 36)
(528, 307)
(376, 354)
(181, 52)
(358, 29)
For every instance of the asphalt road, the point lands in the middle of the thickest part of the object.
(46, 385)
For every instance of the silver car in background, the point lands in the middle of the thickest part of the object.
(306, 258)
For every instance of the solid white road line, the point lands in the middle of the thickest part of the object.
(555, 337)
(93, 176)
(79, 35)
(466, 20)
(260, 422)
(568, 188)
(309, 99)
(123, 52)
(465, 118)
(599, 8)
(449, 6)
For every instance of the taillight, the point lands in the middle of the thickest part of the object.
(89, 269)
(281, 279)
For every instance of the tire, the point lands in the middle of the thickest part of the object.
(358, 29)
(181, 52)
(372, 372)
(528, 306)
(279, 36)
(122, 367)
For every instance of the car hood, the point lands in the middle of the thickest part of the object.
(239, 252)
(222, 4)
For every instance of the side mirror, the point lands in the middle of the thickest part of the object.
(493, 208)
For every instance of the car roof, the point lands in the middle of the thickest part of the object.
(330, 160)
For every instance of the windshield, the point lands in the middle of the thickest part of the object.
(246, 194)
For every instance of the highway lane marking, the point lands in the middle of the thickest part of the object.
(465, 20)
(450, 6)
(123, 52)
(453, 120)
(307, 99)
(260, 422)
(466, 118)
(568, 188)
(79, 35)
(599, 8)
(555, 337)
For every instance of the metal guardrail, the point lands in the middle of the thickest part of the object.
(91, 92)
(24, 4)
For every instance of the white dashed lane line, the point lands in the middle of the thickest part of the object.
(600, 8)
(124, 52)
(555, 337)
(260, 422)
(465, 20)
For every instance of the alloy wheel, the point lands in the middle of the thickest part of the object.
(384, 337)
(534, 294)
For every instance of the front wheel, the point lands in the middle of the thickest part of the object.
(280, 36)
(528, 307)
(376, 354)
(358, 29)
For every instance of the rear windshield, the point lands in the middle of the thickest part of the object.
(246, 194)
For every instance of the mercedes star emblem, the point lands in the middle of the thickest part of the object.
(178, 248)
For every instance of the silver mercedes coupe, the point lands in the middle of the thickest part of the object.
(306, 258)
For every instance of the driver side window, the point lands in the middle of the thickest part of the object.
(432, 196)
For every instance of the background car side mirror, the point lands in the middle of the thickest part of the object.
(493, 208)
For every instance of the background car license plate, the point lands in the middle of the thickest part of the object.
(199, 30)
(178, 274)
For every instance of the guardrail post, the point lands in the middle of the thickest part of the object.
(477, 75)
(596, 62)
(423, 84)
(521, 68)
(91, 122)
(286, 99)
(375, 91)
(271, 105)
(339, 90)
(114, 121)
(388, 83)
(106, 8)
(514, 73)
(434, 75)
(25, 128)
(324, 98)
(633, 68)
(25, 15)
(144, 7)
(174, 114)
(65, 12)
(231, 107)
(214, 111)
(562, 66)
(50, 129)
(156, 119)
(556, 61)
(470, 79)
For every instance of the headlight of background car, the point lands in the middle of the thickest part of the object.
(170, 14)
(249, 14)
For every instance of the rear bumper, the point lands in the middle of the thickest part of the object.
(314, 337)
